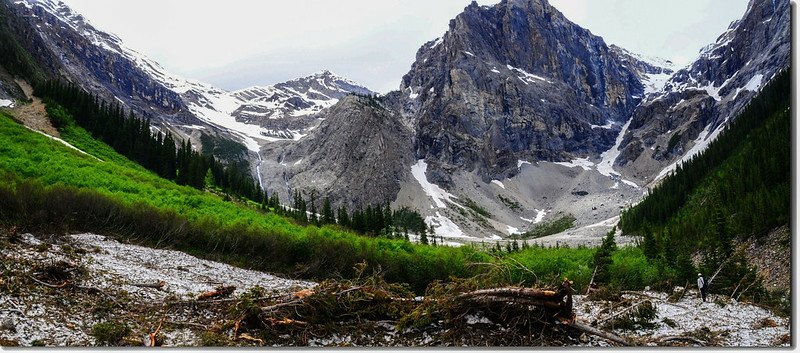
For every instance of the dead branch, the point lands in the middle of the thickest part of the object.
(252, 339)
(48, 285)
(589, 287)
(184, 323)
(718, 270)
(222, 291)
(619, 313)
(682, 338)
(274, 307)
(154, 336)
(593, 331)
(748, 287)
(14, 311)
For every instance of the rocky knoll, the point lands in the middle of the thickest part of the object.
(357, 156)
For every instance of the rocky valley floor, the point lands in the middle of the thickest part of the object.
(62, 291)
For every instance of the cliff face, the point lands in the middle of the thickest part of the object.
(517, 81)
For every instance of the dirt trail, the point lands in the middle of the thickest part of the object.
(33, 115)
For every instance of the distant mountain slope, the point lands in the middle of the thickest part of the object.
(680, 118)
(101, 63)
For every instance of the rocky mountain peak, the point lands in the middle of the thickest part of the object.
(517, 81)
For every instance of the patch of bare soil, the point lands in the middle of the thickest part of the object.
(773, 256)
(33, 115)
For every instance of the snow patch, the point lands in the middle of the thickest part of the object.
(527, 77)
(433, 191)
(754, 84)
(520, 163)
(607, 158)
(539, 216)
(511, 230)
(655, 83)
(700, 144)
(444, 227)
(609, 125)
(498, 183)
(6, 103)
(584, 163)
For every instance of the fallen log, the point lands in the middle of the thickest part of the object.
(222, 291)
(488, 299)
(515, 293)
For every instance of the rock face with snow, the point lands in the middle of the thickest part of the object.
(681, 117)
(517, 81)
(357, 156)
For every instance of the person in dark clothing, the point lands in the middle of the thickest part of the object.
(702, 285)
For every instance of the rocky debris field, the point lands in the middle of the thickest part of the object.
(685, 320)
(90, 290)
(53, 291)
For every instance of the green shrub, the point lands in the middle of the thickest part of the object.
(110, 333)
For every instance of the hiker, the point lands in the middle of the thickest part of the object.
(701, 284)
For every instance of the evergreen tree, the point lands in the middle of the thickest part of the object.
(602, 258)
(209, 180)
(344, 218)
(327, 212)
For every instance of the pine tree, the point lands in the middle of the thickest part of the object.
(343, 218)
(209, 180)
(327, 212)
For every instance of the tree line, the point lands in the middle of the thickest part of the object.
(374, 220)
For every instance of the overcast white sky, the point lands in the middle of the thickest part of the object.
(239, 43)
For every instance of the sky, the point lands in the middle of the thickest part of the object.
(234, 44)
